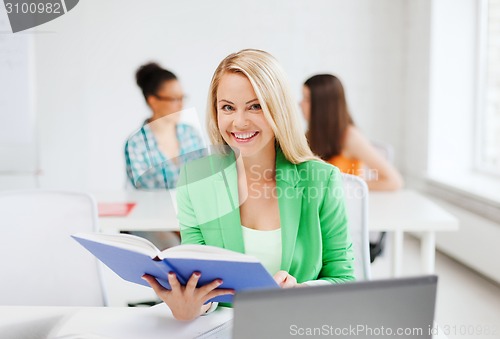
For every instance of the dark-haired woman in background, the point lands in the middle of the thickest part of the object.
(155, 153)
(333, 136)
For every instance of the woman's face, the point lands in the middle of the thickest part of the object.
(168, 99)
(240, 117)
(305, 104)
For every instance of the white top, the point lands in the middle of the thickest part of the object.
(265, 246)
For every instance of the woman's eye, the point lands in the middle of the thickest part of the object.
(255, 107)
(227, 108)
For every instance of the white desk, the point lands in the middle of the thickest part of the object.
(396, 212)
(408, 211)
(103, 322)
(154, 211)
(107, 322)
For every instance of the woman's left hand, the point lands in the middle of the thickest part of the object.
(285, 280)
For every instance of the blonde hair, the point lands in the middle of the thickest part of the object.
(271, 87)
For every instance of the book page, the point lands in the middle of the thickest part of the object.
(125, 241)
(205, 252)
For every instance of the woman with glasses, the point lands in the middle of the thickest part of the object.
(155, 153)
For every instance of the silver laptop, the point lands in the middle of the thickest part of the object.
(395, 308)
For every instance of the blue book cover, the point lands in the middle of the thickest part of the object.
(131, 257)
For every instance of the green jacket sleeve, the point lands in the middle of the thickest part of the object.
(188, 223)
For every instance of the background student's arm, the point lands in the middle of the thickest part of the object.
(338, 256)
(193, 139)
(359, 147)
(140, 171)
(192, 144)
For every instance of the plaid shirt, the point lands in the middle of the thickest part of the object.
(149, 168)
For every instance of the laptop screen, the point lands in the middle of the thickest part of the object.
(398, 308)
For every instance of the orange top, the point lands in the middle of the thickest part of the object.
(347, 165)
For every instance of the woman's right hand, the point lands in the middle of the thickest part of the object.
(186, 302)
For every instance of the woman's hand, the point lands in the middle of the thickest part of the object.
(285, 280)
(186, 302)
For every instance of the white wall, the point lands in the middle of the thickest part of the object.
(18, 144)
(476, 242)
(416, 88)
(88, 102)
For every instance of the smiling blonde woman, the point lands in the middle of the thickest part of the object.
(268, 196)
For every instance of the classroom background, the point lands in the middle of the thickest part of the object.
(419, 75)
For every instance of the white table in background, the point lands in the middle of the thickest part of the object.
(153, 211)
(108, 322)
(409, 211)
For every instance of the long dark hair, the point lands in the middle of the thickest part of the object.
(329, 116)
(150, 77)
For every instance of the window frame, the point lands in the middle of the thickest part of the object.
(479, 166)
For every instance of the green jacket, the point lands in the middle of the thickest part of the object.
(314, 227)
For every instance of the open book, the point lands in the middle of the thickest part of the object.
(131, 257)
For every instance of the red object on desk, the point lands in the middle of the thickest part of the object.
(114, 209)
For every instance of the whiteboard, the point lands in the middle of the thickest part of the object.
(18, 146)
